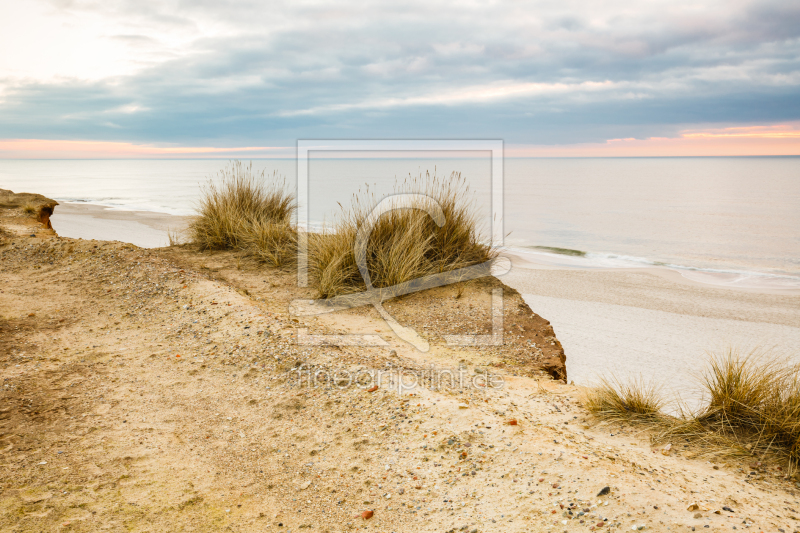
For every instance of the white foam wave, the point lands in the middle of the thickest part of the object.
(712, 276)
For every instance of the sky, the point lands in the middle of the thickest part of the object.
(202, 78)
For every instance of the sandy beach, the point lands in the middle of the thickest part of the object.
(653, 322)
(142, 228)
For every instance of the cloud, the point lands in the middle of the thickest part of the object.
(770, 140)
(62, 149)
(239, 73)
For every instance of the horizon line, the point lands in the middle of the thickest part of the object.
(773, 140)
(291, 158)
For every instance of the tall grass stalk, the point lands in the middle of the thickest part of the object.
(174, 238)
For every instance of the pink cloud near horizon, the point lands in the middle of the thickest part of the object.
(62, 149)
(779, 139)
(776, 140)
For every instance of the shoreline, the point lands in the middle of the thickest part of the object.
(734, 279)
(146, 229)
(151, 228)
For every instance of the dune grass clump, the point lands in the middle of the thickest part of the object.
(618, 401)
(754, 402)
(405, 244)
(272, 243)
(752, 408)
(249, 212)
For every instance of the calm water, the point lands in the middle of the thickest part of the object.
(728, 214)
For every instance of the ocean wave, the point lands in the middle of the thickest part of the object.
(579, 259)
(113, 205)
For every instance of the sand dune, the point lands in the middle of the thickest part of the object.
(154, 390)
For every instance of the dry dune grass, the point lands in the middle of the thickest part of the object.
(615, 400)
(753, 408)
(245, 211)
(404, 244)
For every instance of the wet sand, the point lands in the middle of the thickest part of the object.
(653, 322)
(142, 228)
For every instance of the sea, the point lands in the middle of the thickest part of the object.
(734, 216)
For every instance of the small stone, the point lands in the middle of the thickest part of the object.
(604, 491)
(726, 508)
(366, 515)
(698, 515)
(373, 388)
(693, 507)
(512, 422)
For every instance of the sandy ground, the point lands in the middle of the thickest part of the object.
(142, 228)
(654, 322)
(158, 391)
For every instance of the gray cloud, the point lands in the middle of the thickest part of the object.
(538, 72)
